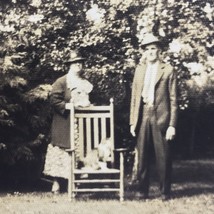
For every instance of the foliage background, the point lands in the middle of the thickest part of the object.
(37, 35)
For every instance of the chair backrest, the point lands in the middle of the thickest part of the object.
(90, 125)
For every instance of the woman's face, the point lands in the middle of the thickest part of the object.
(76, 67)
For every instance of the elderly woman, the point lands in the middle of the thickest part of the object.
(70, 86)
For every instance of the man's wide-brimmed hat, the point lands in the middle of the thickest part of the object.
(74, 56)
(149, 39)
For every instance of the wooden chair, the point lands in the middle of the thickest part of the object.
(93, 124)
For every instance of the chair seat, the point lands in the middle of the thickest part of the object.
(97, 171)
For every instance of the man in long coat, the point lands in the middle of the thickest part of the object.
(153, 115)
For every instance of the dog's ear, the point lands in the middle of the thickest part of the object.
(103, 141)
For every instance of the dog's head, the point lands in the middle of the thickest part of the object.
(105, 150)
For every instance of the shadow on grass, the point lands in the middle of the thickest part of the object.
(189, 178)
(193, 171)
(193, 177)
(193, 191)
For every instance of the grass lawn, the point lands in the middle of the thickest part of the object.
(192, 192)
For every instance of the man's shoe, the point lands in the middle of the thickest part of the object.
(141, 196)
(165, 197)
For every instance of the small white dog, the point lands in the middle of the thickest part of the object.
(98, 158)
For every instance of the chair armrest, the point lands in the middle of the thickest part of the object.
(121, 150)
(70, 150)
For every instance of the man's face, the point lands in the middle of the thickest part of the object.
(151, 53)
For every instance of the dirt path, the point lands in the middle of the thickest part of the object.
(193, 192)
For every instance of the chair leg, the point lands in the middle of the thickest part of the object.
(121, 195)
(71, 194)
(69, 188)
(121, 177)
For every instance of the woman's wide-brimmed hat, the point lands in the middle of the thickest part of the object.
(149, 39)
(74, 56)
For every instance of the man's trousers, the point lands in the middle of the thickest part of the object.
(150, 136)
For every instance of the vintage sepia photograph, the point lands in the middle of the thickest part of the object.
(106, 106)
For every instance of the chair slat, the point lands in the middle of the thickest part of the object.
(98, 181)
(89, 108)
(88, 135)
(96, 132)
(94, 108)
(81, 137)
(103, 128)
(92, 115)
(97, 190)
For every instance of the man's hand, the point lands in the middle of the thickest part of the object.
(170, 133)
(132, 130)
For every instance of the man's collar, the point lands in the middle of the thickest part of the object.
(153, 64)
